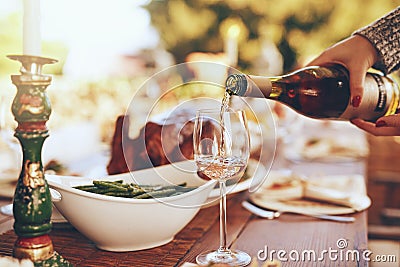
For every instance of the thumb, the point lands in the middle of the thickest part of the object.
(389, 121)
(357, 78)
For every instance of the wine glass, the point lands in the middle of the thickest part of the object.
(221, 151)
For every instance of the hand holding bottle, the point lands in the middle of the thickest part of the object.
(337, 84)
(376, 45)
(355, 53)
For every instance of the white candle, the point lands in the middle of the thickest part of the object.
(31, 28)
(231, 44)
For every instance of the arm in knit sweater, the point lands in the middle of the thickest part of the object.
(384, 34)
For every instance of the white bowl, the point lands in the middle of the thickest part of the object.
(124, 224)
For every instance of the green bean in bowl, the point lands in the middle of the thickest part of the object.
(131, 190)
(129, 223)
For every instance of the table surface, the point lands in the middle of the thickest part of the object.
(293, 235)
(245, 232)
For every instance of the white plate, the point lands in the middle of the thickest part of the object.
(353, 184)
(309, 206)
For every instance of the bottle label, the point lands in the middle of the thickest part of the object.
(376, 98)
(382, 95)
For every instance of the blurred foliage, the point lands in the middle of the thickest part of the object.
(11, 44)
(300, 29)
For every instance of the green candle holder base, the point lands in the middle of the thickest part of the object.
(39, 250)
(55, 260)
(32, 205)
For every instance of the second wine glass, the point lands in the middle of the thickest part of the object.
(221, 151)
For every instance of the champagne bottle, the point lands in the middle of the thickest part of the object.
(321, 92)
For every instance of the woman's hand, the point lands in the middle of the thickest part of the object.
(384, 126)
(355, 53)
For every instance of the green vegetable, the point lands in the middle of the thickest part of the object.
(131, 190)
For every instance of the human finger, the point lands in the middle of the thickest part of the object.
(389, 121)
(374, 129)
(356, 83)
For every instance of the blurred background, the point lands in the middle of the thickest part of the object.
(107, 49)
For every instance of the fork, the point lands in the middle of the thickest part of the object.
(276, 214)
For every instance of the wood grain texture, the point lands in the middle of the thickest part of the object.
(245, 232)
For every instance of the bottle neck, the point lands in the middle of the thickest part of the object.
(249, 85)
(261, 86)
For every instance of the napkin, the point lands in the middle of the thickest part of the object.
(334, 196)
(344, 190)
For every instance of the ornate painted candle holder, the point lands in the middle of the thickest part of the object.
(32, 204)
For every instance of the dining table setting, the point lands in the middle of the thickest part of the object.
(295, 212)
(197, 134)
(178, 184)
(200, 169)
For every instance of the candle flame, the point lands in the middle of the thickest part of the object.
(234, 31)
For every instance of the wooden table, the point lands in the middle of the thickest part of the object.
(289, 237)
(295, 236)
(245, 231)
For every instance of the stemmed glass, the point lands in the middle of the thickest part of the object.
(221, 152)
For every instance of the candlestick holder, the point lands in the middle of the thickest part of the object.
(32, 206)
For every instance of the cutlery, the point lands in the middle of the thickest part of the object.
(276, 214)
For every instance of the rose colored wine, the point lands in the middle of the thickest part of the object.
(221, 168)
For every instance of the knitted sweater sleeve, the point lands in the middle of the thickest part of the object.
(384, 34)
